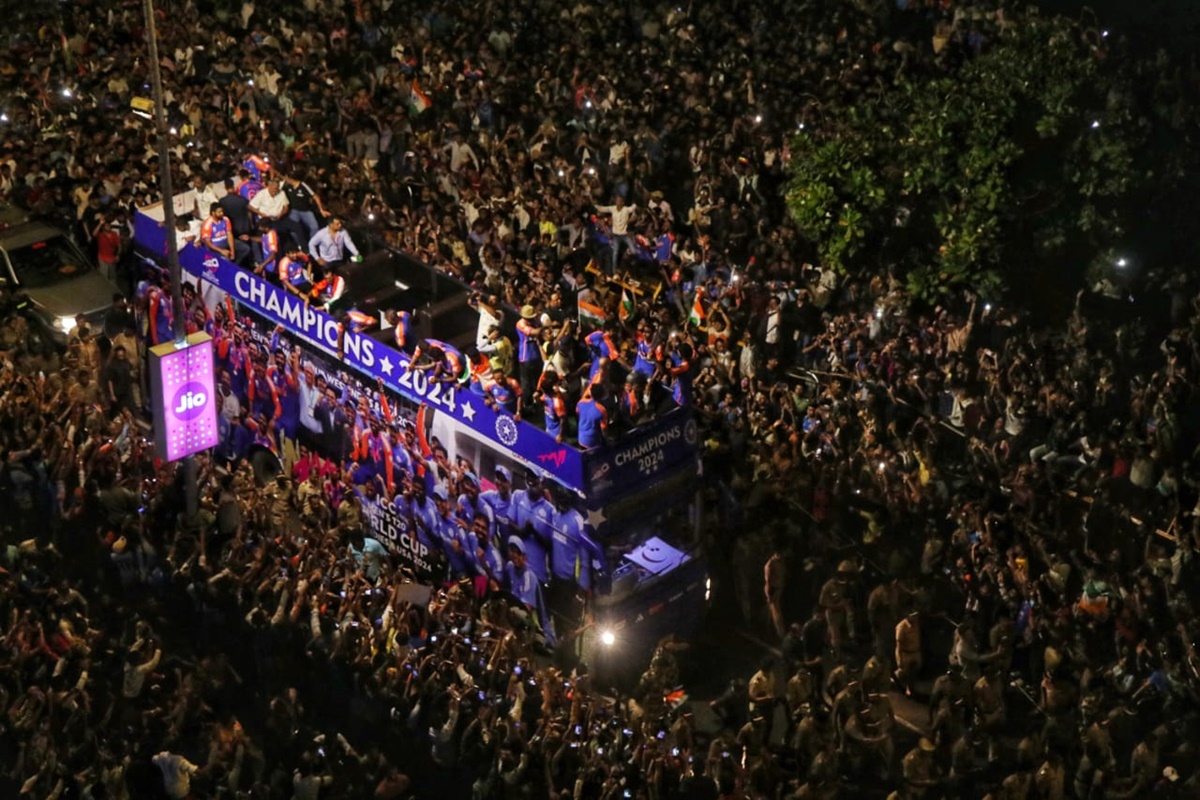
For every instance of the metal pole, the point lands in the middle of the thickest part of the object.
(190, 489)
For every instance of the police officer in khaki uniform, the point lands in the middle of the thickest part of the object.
(919, 770)
(908, 650)
(990, 710)
(836, 603)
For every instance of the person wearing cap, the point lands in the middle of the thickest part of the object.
(470, 506)
(501, 503)
(529, 354)
(452, 539)
(834, 600)
(534, 518)
(521, 583)
(919, 769)
(908, 650)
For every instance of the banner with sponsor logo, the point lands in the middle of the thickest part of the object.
(642, 456)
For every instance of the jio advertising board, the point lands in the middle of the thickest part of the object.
(181, 386)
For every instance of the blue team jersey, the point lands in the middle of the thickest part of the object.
(504, 514)
(452, 541)
(592, 419)
(424, 517)
(536, 515)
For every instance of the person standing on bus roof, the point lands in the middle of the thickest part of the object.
(268, 266)
(601, 350)
(247, 185)
(504, 393)
(555, 404)
(592, 416)
(328, 248)
(529, 354)
(237, 211)
(271, 205)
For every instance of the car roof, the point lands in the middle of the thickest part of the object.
(26, 234)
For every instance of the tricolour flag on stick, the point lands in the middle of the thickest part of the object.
(418, 99)
(591, 316)
(626, 310)
(697, 317)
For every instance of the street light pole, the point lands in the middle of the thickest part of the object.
(191, 492)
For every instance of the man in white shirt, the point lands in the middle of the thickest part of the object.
(621, 235)
(460, 153)
(205, 196)
(272, 205)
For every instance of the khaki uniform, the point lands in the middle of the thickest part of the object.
(908, 650)
(1051, 781)
(774, 576)
(835, 604)
(917, 769)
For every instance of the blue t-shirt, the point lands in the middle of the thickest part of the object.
(592, 418)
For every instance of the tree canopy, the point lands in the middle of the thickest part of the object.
(1044, 151)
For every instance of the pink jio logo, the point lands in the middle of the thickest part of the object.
(189, 401)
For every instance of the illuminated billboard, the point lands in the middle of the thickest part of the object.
(184, 398)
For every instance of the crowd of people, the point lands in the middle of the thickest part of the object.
(960, 492)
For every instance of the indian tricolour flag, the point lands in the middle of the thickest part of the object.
(697, 317)
(626, 309)
(591, 316)
(418, 99)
